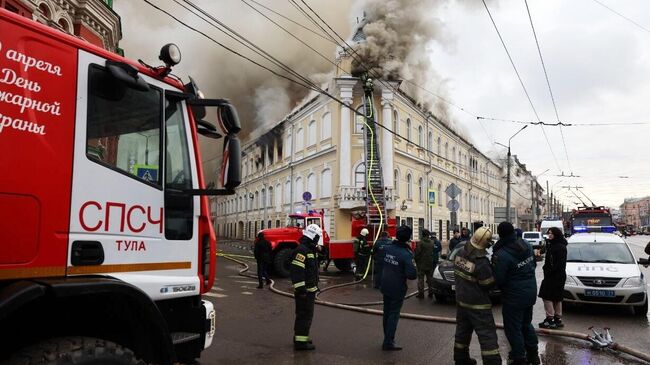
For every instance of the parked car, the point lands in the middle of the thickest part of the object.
(536, 240)
(601, 269)
(444, 284)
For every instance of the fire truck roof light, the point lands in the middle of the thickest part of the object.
(170, 54)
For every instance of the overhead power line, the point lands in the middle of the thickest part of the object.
(548, 83)
(564, 124)
(522, 83)
(623, 16)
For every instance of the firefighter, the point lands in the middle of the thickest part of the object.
(514, 269)
(398, 267)
(262, 252)
(474, 279)
(424, 261)
(361, 253)
(378, 252)
(304, 276)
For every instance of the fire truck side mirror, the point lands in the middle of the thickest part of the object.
(226, 113)
(127, 74)
(231, 165)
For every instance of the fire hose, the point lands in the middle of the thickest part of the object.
(600, 341)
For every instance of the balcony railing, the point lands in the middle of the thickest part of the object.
(351, 197)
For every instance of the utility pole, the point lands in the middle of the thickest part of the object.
(532, 204)
(508, 179)
(547, 200)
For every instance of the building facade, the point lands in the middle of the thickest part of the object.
(319, 148)
(636, 211)
(91, 20)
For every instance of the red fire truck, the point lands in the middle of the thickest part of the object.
(285, 239)
(107, 244)
(592, 219)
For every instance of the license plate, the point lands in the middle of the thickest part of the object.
(453, 288)
(600, 293)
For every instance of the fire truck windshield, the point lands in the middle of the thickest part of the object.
(298, 222)
(593, 220)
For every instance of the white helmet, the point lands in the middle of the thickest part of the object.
(312, 231)
(364, 232)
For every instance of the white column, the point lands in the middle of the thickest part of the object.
(386, 136)
(346, 86)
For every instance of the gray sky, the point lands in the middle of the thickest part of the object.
(598, 64)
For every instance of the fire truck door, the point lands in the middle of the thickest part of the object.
(129, 145)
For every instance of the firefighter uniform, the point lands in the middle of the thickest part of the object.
(304, 276)
(362, 252)
(474, 279)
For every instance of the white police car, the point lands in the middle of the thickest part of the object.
(601, 269)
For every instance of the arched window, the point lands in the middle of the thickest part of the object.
(326, 126)
(430, 142)
(409, 186)
(45, 10)
(256, 202)
(439, 146)
(311, 134)
(278, 197)
(447, 150)
(420, 136)
(409, 134)
(287, 192)
(298, 190)
(326, 183)
(421, 189)
(395, 122)
(453, 154)
(300, 139)
(287, 145)
(396, 181)
(359, 120)
(64, 25)
(263, 199)
(311, 185)
(439, 192)
(270, 201)
(360, 175)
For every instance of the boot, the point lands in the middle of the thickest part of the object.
(303, 346)
(517, 361)
(260, 286)
(532, 356)
(558, 322)
(268, 281)
(420, 295)
(548, 323)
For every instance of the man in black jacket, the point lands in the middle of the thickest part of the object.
(262, 253)
(455, 240)
(304, 276)
(378, 252)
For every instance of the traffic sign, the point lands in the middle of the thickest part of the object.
(306, 196)
(453, 205)
(433, 195)
(453, 191)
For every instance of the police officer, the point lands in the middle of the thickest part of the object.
(474, 279)
(361, 253)
(378, 252)
(304, 276)
(514, 269)
(398, 266)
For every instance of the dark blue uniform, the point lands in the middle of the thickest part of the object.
(304, 277)
(378, 252)
(514, 269)
(398, 267)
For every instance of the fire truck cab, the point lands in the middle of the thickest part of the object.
(107, 242)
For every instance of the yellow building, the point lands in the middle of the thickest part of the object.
(319, 148)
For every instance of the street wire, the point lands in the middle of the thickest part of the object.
(522, 83)
(623, 16)
(548, 83)
(315, 88)
(563, 124)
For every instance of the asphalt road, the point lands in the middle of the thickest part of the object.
(256, 326)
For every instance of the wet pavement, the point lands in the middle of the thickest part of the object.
(255, 326)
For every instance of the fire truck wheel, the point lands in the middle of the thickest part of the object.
(75, 350)
(344, 265)
(281, 262)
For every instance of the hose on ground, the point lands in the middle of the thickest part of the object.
(422, 317)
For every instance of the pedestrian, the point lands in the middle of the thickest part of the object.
(437, 249)
(474, 279)
(454, 241)
(262, 252)
(552, 288)
(378, 252)
(398, 267)
(424, 263)
(464, 234)
(304, 276)
(362, 251)
(514, 265)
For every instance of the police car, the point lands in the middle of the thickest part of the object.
(601, 269)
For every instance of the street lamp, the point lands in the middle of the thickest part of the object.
(508, 164)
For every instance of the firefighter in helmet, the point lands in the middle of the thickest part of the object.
(304, 276)
(362, 250)
(474, 279)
